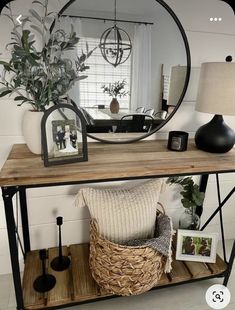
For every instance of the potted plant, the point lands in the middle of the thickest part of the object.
(38, 75)
(191, 198)
(115, 90)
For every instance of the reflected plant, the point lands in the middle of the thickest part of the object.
(36, 75)
(116, 89)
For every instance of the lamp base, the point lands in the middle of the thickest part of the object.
(215, 136)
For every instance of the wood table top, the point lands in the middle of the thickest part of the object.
(110, 162)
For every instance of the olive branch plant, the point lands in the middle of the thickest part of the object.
(39, 76)
(191, 194)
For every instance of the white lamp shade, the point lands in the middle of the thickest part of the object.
(216, 91)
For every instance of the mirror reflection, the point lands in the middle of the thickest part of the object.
(138, 83)
(131, 60)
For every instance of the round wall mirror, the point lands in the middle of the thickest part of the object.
(129, 101)
(134, 65)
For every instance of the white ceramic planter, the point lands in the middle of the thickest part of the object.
(32, 130)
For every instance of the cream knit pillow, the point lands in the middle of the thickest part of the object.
(123, 214)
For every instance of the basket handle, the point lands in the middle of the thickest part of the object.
(94, 224)
(162, 208)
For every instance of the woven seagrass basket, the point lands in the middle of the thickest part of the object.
(123, 270)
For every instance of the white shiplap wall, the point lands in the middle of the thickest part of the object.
(208, 42)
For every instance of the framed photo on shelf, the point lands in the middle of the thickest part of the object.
(196, 246)
(64, 138)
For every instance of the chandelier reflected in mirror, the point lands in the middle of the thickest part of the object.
(115, 43)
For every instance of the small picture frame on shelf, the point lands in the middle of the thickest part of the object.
(64, 136)
(196, 246)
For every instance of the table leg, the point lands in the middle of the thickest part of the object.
(8, 193)
(219, 208)
(221, 217)
(230, 265)
(24, 219)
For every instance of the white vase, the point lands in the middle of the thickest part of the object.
(32, 130)
(189, 219)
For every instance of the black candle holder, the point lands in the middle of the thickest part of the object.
(177, 141)
(45, 282)
(60, 262)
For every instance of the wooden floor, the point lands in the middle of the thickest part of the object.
(76, 284)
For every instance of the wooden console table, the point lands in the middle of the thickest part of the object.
(140, 160)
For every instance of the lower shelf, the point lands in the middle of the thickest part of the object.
(77, 285)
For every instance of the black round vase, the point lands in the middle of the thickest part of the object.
(215, 136)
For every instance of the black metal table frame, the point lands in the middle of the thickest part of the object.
(8, 193)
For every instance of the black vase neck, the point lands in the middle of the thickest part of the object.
(217, 119)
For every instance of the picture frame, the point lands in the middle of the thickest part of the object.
(64, 135)
(197, 246)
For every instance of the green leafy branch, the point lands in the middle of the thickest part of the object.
(41, 75)
(191, 194)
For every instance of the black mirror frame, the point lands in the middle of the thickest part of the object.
(78, 113)
(229, 2)
(188, 58)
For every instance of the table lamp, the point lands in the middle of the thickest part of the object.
(216, 95)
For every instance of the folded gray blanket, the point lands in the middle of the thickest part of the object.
(163, 240)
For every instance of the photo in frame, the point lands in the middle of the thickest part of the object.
(197, 246)
(64, 137)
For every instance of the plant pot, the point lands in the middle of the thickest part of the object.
(114, 106)
(32, 130)
(189, 219)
